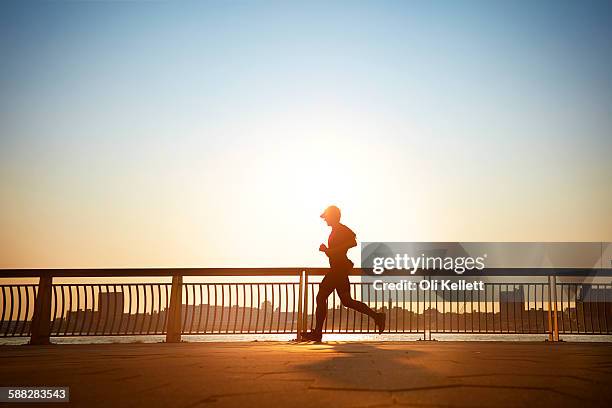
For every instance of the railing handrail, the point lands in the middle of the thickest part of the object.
(283, 271)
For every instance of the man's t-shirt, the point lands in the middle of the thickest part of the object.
(339, 236)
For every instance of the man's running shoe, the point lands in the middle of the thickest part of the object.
(380, 322)
(312, 336)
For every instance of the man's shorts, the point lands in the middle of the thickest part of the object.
(337, 280)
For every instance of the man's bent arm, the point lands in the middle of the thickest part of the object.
(341, 248)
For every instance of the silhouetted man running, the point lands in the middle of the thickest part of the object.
(341, 239)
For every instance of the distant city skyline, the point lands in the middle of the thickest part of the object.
(212, 134)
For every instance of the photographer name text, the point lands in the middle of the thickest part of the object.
(428, 284)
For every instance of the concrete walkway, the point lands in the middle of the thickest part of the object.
(270, 374)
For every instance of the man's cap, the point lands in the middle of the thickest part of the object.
(332, 210)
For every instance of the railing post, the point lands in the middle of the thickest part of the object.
(41, 320)
(555, 321)
(173, 333)
(551, 336)
(300, 301)
(550, 327)
(305, 309)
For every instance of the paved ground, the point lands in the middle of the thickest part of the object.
(269, 374)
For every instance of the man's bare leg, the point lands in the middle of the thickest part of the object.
(348, 301)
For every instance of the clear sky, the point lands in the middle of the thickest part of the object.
(214, 134)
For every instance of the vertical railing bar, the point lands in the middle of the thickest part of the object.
(361, 314)
(300, 306)
(257, 305)
(576, 307)
(563, 285)
(410, 312)
(403, 311)
(369, 302)
(435, 294)
(479, 313)
(222, 307)
(522, 306)
(605, 303)
(529, 285)
(237, 307)
(61, 332)
(280, 302)
(272, 311)
(168, 294)
(144, 309)
(123, 317)
(99, 314)
(445, 314)
(199, 328)
(4, 332)
(120, 313)
(355, 296)
(265, 308)
(207, 307)
(63, 312)
(463, 296)
(54, 309)
(69, 310)
(193, 293)
(596, 304)
(215, 308)
(471, 311)
(133, 313)
(507, 319)
(293, 308)
(184, 316)
(312, 303)
(150, 286)
(133, 317)
(333, 310)
(418, 306)
(244, 307)
(107, 309)
(514, 319)
(590, 303)
(188, 308)
(250, 308)
(78, 311)
(18, 290)
(542, 307)
(117, 313)
(286, 307)
(229, 314)
(24, 330)
(112, 326)
(129, 316)
(10, 322)
(137, 314)
(93, 303)
(584, 329)
(340, 315)
(159, 309)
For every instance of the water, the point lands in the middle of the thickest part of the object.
(328, 337)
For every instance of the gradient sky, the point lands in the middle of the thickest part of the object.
(213, 134)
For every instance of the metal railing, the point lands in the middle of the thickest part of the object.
(286, 306)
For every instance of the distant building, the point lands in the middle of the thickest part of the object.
(512, 307)
(596, 307)
(110, 308)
